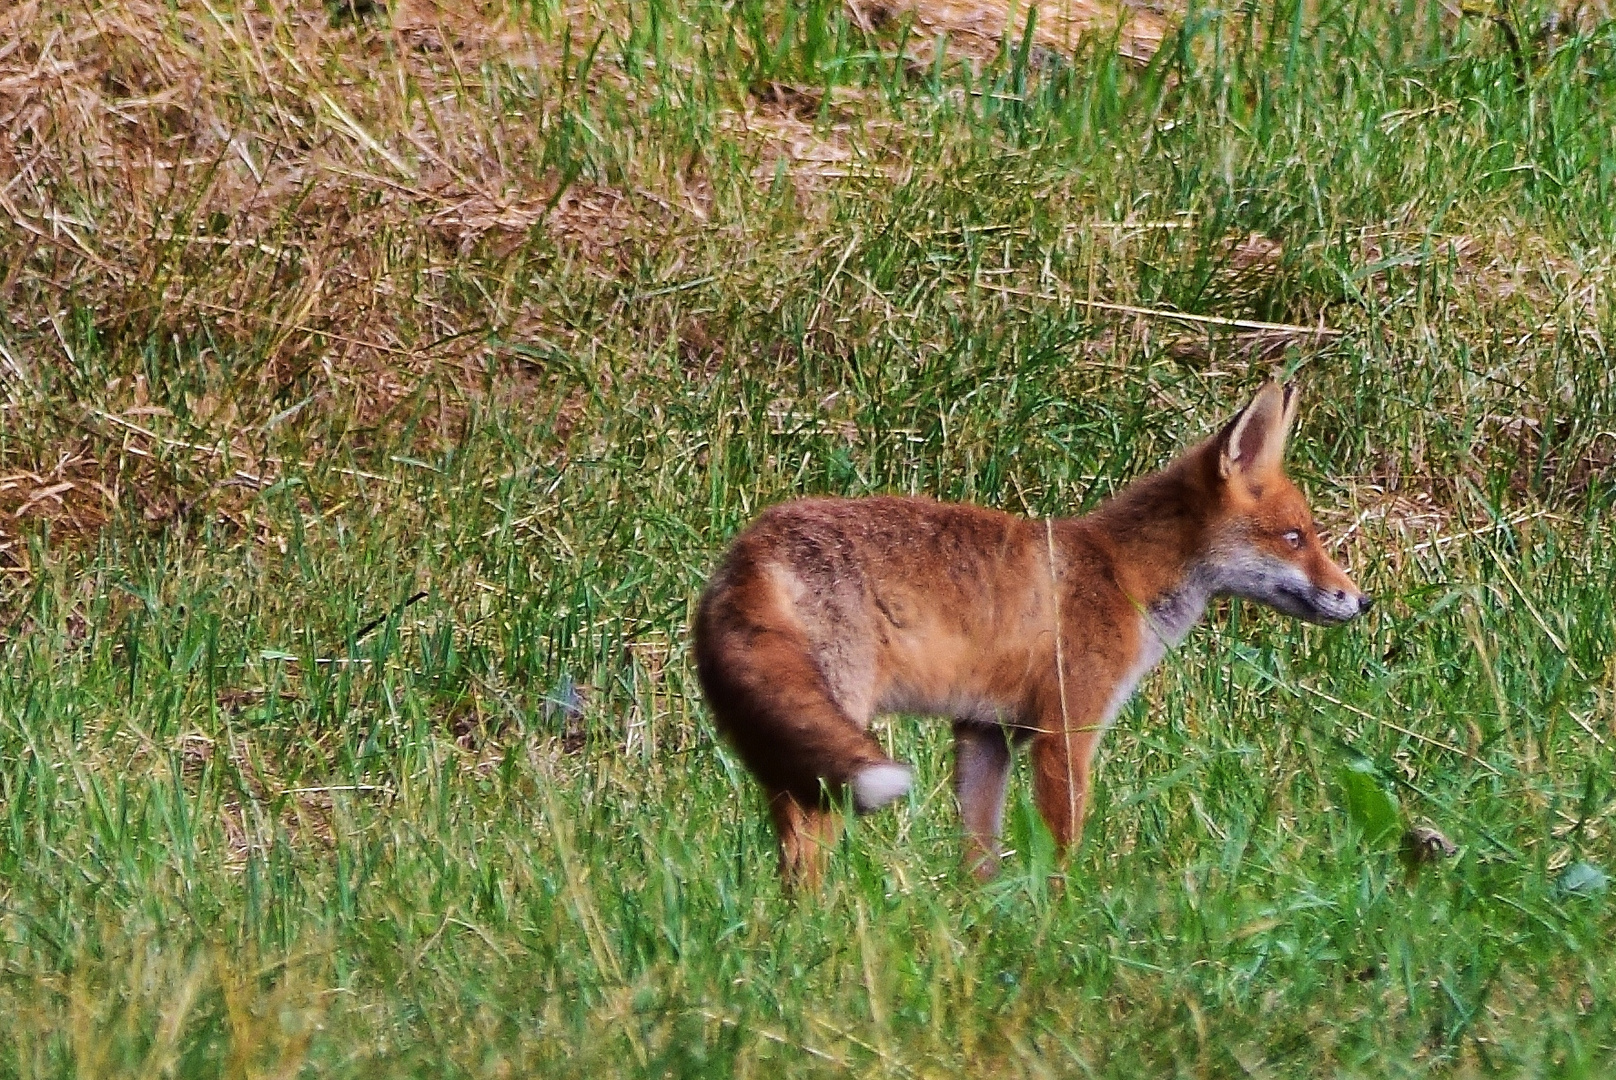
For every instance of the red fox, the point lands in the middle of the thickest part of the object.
(827, 611)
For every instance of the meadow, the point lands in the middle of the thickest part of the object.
(381, 381)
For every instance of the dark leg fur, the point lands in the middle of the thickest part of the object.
(981, 773)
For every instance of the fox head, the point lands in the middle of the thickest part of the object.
(1262, 543)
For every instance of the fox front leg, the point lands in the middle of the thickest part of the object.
(1062, 755)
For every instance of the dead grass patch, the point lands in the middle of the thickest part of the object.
(978, 29)
(809, 137)
(301, 190)
(327, 205)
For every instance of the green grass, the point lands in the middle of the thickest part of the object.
(287, 780)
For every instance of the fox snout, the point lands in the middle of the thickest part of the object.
(1318, 593)
(1335, 598)
(1295, 595)
(1334, 606)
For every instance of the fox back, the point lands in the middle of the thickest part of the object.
(828, 612)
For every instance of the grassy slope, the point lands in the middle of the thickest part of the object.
(267, 807)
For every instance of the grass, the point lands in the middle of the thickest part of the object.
(380, 387)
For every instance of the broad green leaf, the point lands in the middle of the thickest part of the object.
(1369, 802)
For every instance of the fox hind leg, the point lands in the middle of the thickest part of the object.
(807, 832)
(981, 774)
(770, 697)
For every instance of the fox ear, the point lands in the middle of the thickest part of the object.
(1293, 398)
(1254, 443)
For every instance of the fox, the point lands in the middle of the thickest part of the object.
(827, 612)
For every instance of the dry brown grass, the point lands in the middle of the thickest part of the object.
(977, 29)
(297, 190)
(189, 170)
(265, 174)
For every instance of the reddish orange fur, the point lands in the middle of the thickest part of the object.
(827, 611)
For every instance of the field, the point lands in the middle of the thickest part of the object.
(381, 381)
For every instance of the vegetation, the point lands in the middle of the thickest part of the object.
(380, 382)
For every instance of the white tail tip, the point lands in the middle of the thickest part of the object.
(876, 785)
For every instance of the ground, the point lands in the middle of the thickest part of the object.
(381, 380)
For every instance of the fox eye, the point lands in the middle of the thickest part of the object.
(1293, 537)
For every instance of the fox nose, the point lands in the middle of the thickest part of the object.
(1364, 602)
